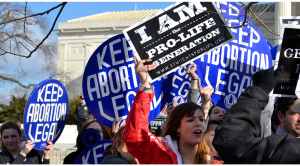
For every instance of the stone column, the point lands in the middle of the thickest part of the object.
(88, 52)
(61, 61)
(297, 8)
(282, 9)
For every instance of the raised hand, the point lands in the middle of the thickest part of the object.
(48, 150)
(27, 148)
(142, 69)
(267, 79)
(205, 93)
(190, 70)
(116, 126)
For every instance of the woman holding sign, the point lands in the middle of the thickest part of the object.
(183, 141)
(13, 153)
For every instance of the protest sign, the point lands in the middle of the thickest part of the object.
(93, 155)
(297, 90)
(177, 35)
(110, 83)
(288, 54)
(46, 113)
(229, 69)
(294, 20)
(158, 121)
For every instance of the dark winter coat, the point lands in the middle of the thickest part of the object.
(237, 138)
(82, 113)
(70, 158)
(114, 159)
(34, 156)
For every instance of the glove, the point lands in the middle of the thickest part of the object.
(267, 79)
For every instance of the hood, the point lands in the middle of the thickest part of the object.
(169, 143)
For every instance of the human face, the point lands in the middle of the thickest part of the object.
(209, 136)
(97, 127)
(82, 101)
(290, 122)
(11, 139)
(191, 129)
(217, 113)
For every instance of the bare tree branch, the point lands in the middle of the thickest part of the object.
(245, 19)
(38, 14)
(261, 13)
(63, 5)
(275, 33)
(16, 81)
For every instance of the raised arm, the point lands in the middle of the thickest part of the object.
(237, 139)
(193, 91)
(139, 141)
(195, 88)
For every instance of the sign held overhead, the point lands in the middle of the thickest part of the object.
(177, 35)
(288, 55)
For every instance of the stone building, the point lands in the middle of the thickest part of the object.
(78, 38)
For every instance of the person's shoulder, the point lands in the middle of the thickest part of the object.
(71, 157)
(35, 152)
(114, 159)
(2, 153)
(72, 154)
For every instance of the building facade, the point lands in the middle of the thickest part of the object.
(79, 38)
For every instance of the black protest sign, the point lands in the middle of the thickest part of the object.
(288, 55)
(177, 35)
(295, 20)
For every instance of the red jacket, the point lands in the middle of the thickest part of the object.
(142, 144)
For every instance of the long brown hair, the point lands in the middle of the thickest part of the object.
(118, 140)
(9, 125)
(79, 144)
(174, 122)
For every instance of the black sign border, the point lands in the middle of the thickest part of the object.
(278, 54)
(176, 68)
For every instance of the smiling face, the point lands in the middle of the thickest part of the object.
(97, 127)
(217, 113)
(11, 139)
(192, 128)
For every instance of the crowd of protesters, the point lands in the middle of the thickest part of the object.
(191, 133)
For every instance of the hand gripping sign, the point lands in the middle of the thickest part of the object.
(93, 155)
(46, 113)
(179, 34)
(229, 69)
(110, 83)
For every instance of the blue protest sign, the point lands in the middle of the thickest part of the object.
(274, 52)
(46, 113)
(93, 155)
(110, 83)
(270, 45)
(229, 69)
